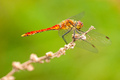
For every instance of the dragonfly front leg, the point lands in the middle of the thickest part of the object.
(78, 31)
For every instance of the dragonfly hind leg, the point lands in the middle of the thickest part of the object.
(65, 34)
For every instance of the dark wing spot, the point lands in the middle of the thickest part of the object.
(107, 37)
(93, 45)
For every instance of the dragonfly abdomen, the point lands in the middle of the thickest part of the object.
(56, 27)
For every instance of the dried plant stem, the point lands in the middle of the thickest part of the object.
(34, 59)
(17, 66)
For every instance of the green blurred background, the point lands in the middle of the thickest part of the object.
(20, 16)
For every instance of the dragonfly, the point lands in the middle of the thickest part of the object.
(74, 26)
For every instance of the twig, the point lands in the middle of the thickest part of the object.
(17, 66)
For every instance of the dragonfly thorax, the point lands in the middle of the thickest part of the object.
(68, 24)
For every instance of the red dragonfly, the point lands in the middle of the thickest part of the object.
(73, 25)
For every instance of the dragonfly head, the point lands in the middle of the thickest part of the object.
(79, 25)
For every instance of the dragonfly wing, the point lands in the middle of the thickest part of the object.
(78, 16)
(86, 45)
(96, 38)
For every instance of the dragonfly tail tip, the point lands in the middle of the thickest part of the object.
(23, 35)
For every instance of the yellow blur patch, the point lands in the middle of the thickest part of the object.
(23, 35)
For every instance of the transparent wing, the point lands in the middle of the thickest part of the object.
(96, 38)
(78, 16)
(86, 45)
(68, 36)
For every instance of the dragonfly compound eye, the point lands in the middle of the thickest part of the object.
(79, 25)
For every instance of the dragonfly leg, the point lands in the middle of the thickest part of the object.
(73, 35)
(78, 31)
(65, 34)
